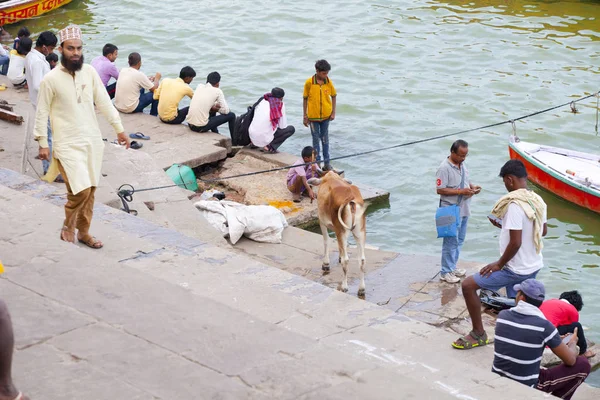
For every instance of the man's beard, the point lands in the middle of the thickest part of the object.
(70, 65)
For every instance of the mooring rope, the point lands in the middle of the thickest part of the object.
(126, 194)
(429, 139)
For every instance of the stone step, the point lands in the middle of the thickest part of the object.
(171, 144)
(154, 301)
(171, 206)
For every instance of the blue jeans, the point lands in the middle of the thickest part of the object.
(451, 247)
(504, 278)
(46, 163)
(4, 63)
(320, 135)
(147, 99)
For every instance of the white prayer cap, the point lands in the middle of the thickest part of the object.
(69, 33)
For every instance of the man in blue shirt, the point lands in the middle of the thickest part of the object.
(522, 333)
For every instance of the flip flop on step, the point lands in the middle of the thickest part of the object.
(135, 145)
(139, 135)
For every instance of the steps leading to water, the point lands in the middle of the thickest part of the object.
(158, 314)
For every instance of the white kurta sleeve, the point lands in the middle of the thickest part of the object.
(102, 101)
(40, 130)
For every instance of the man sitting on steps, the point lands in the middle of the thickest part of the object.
(521, 216)
(106, 68)
(269, 127)
(522, 333)
(130, 96)
(209, 100)
(563, 313)
(170, 92)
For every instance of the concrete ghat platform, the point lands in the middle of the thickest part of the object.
(405, 284)
(270, 188)
(170, 144)
(159, 315)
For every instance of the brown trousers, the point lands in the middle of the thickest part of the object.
(79, 208)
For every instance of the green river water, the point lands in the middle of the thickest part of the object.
(404, 70)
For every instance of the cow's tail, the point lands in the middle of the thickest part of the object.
(352, 205)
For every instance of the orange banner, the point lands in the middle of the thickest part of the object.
(17, 13)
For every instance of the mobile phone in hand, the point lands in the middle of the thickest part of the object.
(495, 219)
(567, 338)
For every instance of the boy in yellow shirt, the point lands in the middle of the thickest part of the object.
(319, 109)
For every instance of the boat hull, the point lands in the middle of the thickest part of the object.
(18, 10)
(543, 176)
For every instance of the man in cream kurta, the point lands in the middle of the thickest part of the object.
(67, 95)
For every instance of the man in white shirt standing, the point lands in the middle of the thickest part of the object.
(269, 128)
(130, 95)
(522, 215)
(209, 100)
(36, 67)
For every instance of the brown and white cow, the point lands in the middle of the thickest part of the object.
(342, 209)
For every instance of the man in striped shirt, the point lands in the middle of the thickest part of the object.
(521, 335)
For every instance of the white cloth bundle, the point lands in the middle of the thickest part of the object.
(259, 223)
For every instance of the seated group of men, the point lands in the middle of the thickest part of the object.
(133, 92)
(524, 331)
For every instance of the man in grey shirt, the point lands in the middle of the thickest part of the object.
(450, 174)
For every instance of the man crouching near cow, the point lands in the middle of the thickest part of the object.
(297, 177)
(342, 209)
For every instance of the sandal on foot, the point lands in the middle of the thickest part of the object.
(62, 232)
(463, 343)
(91, 242)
